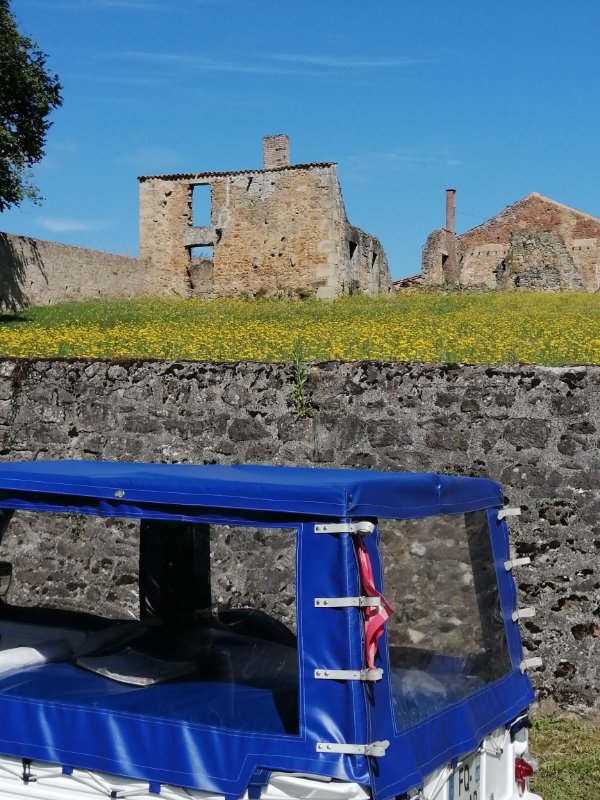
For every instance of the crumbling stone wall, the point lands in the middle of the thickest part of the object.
(534, 243)
(368, 270)
(277, 231)
(534, 429)
(537, 260)
(36, 272)
(166, 211)
(435, 255)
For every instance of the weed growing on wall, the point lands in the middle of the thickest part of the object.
(77, 526)
(299, 394)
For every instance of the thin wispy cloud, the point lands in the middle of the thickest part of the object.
(412, 157)
(343, 62)
(99, 5)
(58, 154)
(272, 63)
(403, 157)
(124, 79)
(360, 168)
(212, 64)
(71, 225)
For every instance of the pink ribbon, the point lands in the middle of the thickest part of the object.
(375, 616)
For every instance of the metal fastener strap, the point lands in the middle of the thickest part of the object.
(348, 674)
(347, 602)
(372, 749)
(516, 562)
(509, 512)
(523, 613)
(531, 663)
(362, 528)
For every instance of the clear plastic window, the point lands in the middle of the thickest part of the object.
(446, 636)
(73, 562)
(203, 617)
(254, 568)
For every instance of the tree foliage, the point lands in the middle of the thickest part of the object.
(28, 93)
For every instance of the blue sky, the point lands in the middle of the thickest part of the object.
(496, 99)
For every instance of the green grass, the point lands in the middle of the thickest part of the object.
(569, 755)
(477, 328)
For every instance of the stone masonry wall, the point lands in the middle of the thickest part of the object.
(534, 429)
(36, 272)
(279, 231)
(535, 242)
(165, 212)
(369, 270)
(435, 253)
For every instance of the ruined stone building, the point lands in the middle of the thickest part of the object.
(536, 243)
(281, 229)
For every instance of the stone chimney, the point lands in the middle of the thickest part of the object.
(450, 265)
(276, 151)
(450, 210)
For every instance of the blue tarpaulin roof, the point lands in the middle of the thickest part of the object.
(286, 490)
(189, 733)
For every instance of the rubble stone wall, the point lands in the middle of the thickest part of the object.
(165, 213)
(36, 272)
(279, 231)
(534, 243)
(537, 430)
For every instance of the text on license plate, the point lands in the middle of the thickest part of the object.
(465, 781)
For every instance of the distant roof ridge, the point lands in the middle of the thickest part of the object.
(537, 196)
(192, 175)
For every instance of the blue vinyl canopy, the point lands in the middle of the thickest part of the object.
(222, 735)
(282, 490)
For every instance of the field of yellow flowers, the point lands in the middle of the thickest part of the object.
(490, 328)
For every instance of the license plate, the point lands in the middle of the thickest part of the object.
(465, 781)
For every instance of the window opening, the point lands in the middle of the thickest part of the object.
(352, 249)
(204, 252)
(201, 205)
(447, 637)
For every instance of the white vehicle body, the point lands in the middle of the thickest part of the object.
(495, 778)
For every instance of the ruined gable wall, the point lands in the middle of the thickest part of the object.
(278, 231)
(165, 212)
(37, 272)
(532, 213)
(434, 251)
(576, 255)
